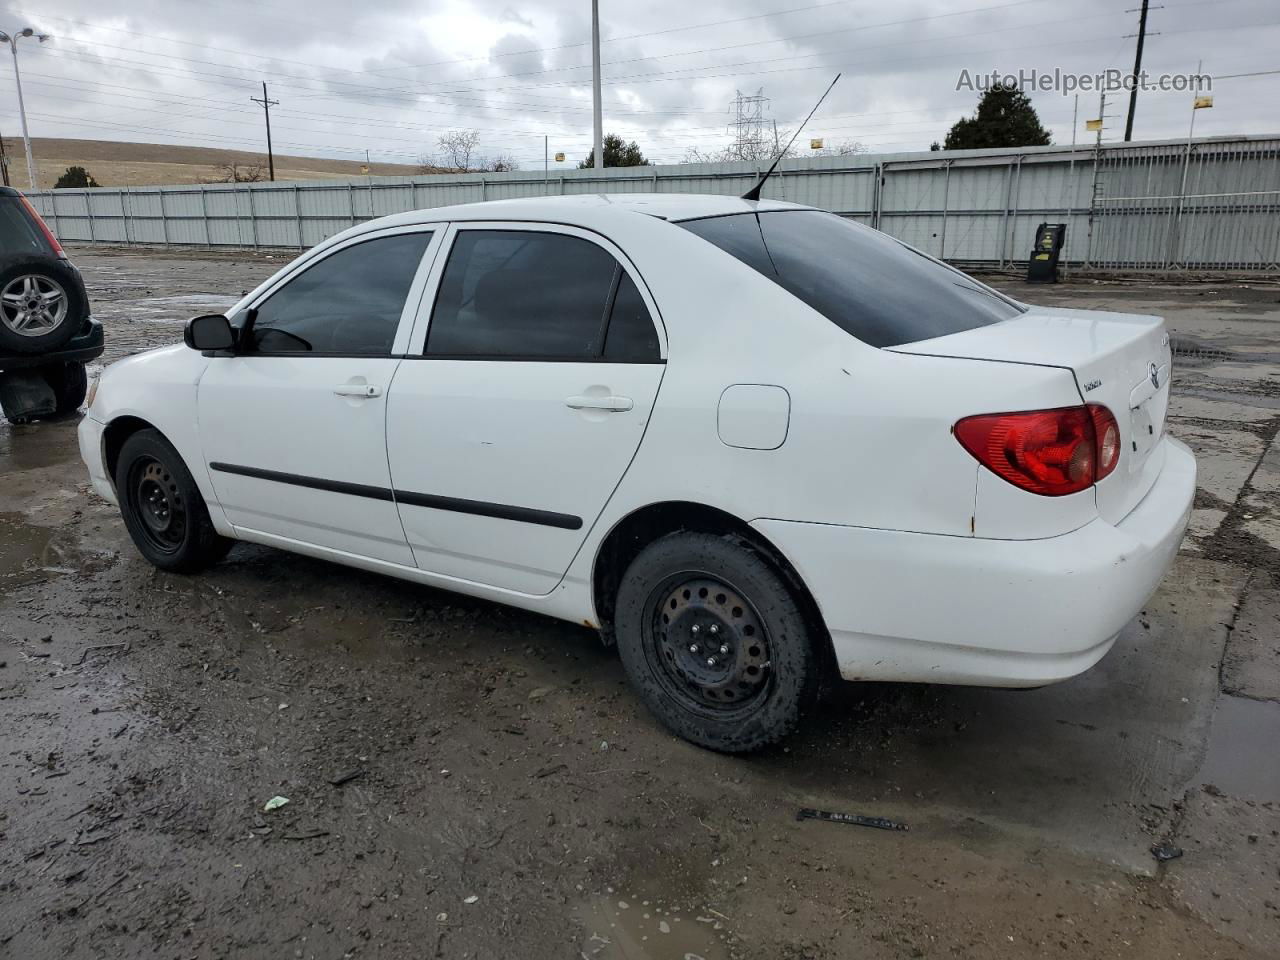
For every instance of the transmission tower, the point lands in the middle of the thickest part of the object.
(748, 127)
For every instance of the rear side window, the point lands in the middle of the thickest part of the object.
(18, 233)
(514, 293)
(864, 281)
(347, 304)
(632, 337)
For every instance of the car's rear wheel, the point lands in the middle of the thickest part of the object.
(39, 310)
(162, 506)
(715, 642)
(70, 384)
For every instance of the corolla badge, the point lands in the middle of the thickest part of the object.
(1155, 376)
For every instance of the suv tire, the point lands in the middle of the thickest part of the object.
(38, 287)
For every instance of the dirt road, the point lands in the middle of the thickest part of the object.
(465, 780)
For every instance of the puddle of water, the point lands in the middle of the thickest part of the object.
(21, 545)
(46, 443)
(30, 552)
(622, 927)
(1244, 733)
(225, 298)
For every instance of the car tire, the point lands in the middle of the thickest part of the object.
(70, 385)
(41, 280)
(766, 669)
(162, 506)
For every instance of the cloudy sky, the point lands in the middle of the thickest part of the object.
(390, 75)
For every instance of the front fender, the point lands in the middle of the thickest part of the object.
(161, 388)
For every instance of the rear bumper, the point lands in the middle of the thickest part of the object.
(89, 435)
(942, 609)
(86, 345)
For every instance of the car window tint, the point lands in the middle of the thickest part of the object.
(511, 293)
(632, 336)
(18, 233)
(349, 303)
(870, 285)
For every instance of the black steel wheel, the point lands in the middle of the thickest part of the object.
(153, 496)
(162, 506)
(707, 643)
(715, 642)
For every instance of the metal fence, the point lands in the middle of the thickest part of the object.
(1213, 203)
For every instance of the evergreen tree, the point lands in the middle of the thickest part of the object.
(1005, 118)
(617, 153)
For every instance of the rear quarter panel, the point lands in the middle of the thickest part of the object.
(869, 441)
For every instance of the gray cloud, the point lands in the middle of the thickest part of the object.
(390, 76)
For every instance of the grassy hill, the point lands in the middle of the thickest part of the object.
(146, 164)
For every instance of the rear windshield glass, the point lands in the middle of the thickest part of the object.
(864, 281)
(18, 233)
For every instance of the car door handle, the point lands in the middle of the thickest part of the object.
(357, 390)
(612, 404)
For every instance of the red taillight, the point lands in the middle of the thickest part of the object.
(44, 228)
(1050, 452)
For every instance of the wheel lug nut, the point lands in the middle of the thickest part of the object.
(693, 648)
(715, 628)
(695, 629)
(724, 648)
(711, 661)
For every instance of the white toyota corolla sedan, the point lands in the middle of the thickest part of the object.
(747, 441)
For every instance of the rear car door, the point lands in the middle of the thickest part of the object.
(293, 425)
(511, 426)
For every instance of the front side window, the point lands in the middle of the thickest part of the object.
(527, 294)
(870, 285)
(348, 304)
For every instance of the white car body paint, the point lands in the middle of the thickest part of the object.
(923, 564)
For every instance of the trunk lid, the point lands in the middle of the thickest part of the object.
(1120, 360)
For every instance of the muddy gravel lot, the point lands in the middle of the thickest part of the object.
(466, 780)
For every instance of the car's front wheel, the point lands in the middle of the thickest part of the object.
(162, 506)
(715, 642)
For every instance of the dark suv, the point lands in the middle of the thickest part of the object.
(46, 333)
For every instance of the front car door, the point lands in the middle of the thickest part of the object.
(293, 425)
(512, 425)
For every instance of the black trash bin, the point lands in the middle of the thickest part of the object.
(1042, 267)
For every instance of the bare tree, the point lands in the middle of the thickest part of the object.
(502, 163)
(767, 152)
(232, 172)
(457, 146)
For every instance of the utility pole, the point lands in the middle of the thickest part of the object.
(267, 104)
(595, 84)
(4, 161)
(12, 40)
(1137, 68)
(1097, 167)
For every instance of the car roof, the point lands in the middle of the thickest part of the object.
(589, 210)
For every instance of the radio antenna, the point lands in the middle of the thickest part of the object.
(754, 192)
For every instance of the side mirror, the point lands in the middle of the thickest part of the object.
(209, 332)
